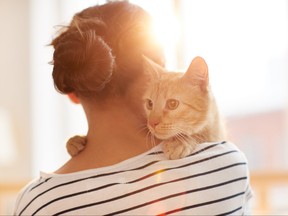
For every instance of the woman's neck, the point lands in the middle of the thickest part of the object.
(114, 135)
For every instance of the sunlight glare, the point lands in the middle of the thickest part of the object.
(166, 31)
(166, 28)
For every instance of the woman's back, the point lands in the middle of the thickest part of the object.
(213, 180)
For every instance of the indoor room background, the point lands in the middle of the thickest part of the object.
(244, 42)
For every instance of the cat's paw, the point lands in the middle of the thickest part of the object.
(175, 150)
(75, 145)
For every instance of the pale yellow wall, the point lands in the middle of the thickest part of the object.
(15, 83)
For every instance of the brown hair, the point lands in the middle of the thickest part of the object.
(100, 51)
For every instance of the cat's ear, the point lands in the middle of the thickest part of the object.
(151, 68)
(197, 73)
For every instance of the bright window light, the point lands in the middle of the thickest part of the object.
(244, 43)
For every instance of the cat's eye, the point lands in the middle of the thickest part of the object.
(149, 104)
(172, 104)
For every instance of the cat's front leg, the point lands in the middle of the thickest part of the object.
(176, 149)
(75, 145)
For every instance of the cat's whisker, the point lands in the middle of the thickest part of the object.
(153, 141)
(148, 137)
(200, 138)
(180, 135)
(142, 125)
(180, 138)
(180, 131)
(150, 140)
(142, 128)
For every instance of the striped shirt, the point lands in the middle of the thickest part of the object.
(213, 180)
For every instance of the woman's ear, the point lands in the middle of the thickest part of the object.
(74, 98)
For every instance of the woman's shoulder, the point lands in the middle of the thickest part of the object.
(217, 151)
(216, 147)
(215, 161)
(24, 191)
(210, 166)
(220, 156)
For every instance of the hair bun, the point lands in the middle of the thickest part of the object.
(83, 62)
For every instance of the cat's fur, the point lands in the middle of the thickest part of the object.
(196, 118)
(180, 110)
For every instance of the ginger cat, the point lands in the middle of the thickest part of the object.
(180, 110)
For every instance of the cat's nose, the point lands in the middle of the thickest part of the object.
(153, 123)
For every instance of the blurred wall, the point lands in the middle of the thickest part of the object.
(15, 85)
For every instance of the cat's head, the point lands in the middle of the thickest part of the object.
(177, 104)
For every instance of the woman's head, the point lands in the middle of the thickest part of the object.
(99, 54)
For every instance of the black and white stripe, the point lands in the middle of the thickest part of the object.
(214, 175)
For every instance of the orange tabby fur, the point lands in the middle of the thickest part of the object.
(194, 121)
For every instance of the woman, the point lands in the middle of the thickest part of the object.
(98, 63)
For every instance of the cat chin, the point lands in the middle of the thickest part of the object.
(158, 135)
(162, 136)
(168, 135)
